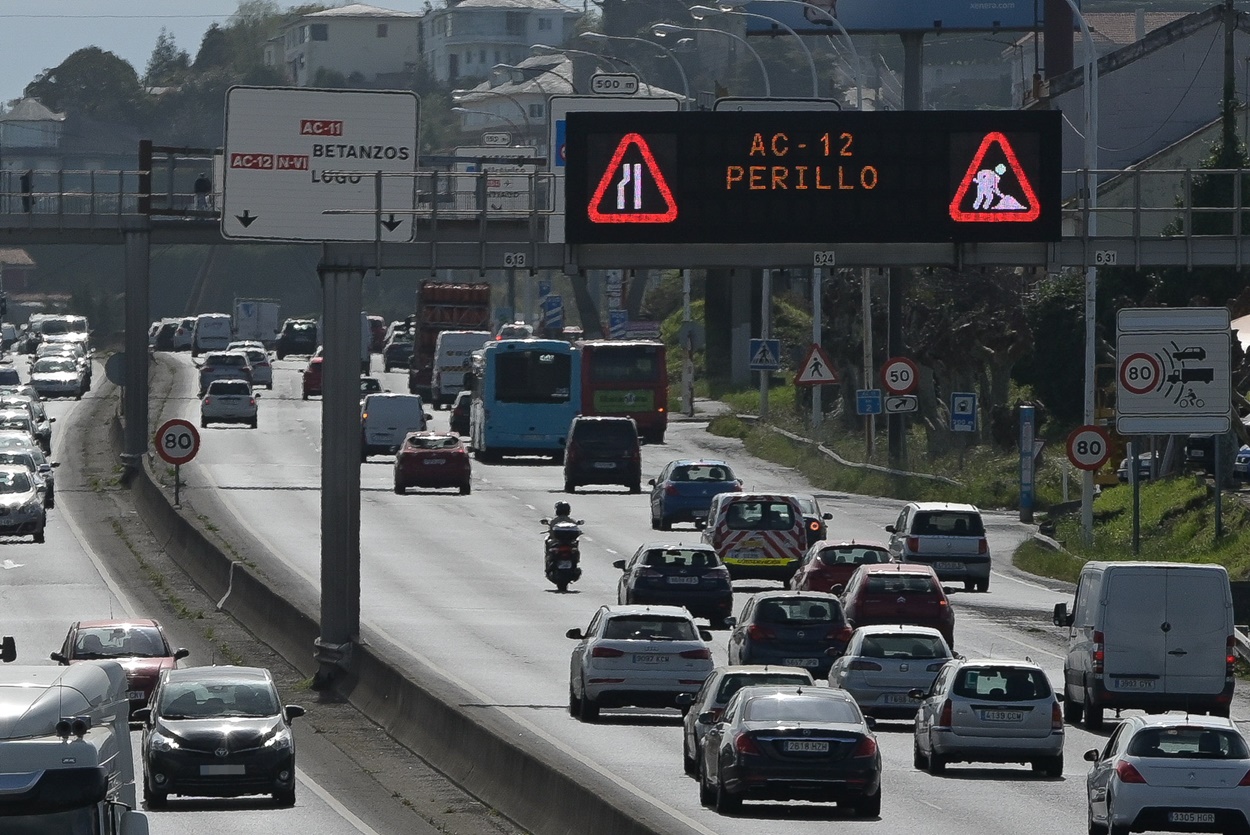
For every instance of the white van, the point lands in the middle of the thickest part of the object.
(212, 332)
(386, 419)
(453, 355)
(1151, 635)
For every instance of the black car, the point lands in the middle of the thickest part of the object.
(460, 413)
(298, 336)
(790, 629)
(397, 352)
(217, 732)
(602, 450)
(813, 519)
(790, 743)
(678, 575)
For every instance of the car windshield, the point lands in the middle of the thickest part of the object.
(1189, 742)
(370, 385)
(702, 472)
(795, 708)
(898, 583)
(948, 523)
(434, 442)
(256, 357)
(798, 611)
(759, 515)
(120, 642)
(1003, 684)
(53, 364)
(669, 558)
(853, 555)
(238, 387)
(202, 700)
(903, 646)
(649, 628)
(21, 422)
(808, 506)
(21, 459)
(733, 683)
(14, 482)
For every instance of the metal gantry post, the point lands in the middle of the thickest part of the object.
(766, 317)
(135, 397)
(817, 313)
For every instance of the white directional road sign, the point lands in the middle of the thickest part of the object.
(1088, 447)
(509, 185)
(177, 441)
(896, 404)
(816, 369)
(301, 164)
(1173, 371)
(899, 375)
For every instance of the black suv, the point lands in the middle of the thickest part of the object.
(298, 336)
(602, 450)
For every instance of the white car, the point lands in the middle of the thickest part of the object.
(636, 655)
(39, 467)
(883, 664)
(1174, 773)
(228, 401)
(58, 377)
(21, 504)
(262, 371)
(989, 711)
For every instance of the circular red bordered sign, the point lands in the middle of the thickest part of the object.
(177, 441)
(1140, 373)
(1089, 447)
(900, 375)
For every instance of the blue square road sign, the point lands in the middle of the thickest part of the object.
(868, 401)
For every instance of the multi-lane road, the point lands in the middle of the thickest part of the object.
(455, 583)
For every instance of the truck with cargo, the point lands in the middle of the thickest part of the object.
(65, 760)
(257, 320)
(442, 306)
(453, 358)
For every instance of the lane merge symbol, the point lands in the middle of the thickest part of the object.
(632, 189)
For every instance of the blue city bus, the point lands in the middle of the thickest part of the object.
(526, 392)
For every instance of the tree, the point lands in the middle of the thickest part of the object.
(214, 50)
(93, 83)
(168, 64)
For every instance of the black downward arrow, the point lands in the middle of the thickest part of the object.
(391, 224)
(246, 218)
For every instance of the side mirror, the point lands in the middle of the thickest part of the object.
(730, 621)
(684, 699)
(619, 564)
(916, 694)
(134, 823)
(890, 528)
(575, 634)
(707, 717)
(1091, 756)
(51, 420)
(826, 516)
(870, 722)
(428, 416)
(59, 658)
(581, 521)
(143, 714)
(705, 634)
(56, 463)
(256, 394)
(180, 653)
(1061, 616)
(834, 652)
(292, 712)
(836, 588)
(651, 481)
(544, 521)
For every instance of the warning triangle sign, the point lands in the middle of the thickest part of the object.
(632, 189)
(816, 369)
(995, 188)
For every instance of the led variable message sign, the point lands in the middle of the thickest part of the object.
(812, 177)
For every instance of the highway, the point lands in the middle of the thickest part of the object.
(456, 583)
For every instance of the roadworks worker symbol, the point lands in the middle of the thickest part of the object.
(995, 188)
(632, 189)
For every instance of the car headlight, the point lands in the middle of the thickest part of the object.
(280, 739)
(157, 742)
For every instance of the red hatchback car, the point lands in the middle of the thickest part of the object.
(432, 459)
(899, 593)
(139, 645)
(312, 377)
(828, 566)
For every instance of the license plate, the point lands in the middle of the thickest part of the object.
(748, 554)
(1136, 683)
(1191, 817)
(699, 514)
(897, 699)
(800, 662)
(435, 460)
(810, 745)
(222, 770)
(1197, 453)
(688, 581)
(135, 694)
(650, 659)
(1002, 716)
(564, 564)
(605, 465)
(948, 566)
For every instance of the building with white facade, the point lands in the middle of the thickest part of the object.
(465, 39)
(357, 42)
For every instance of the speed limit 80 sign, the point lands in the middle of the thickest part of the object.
(1089, 447)
(177, 441)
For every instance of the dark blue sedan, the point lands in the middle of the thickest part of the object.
(684, 489)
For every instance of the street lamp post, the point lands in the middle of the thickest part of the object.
(700, 12)
(466, 95)
(661, 30)
(685, 84)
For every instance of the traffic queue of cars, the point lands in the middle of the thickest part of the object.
(27, 474)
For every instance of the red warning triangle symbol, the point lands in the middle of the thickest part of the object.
(627, 204)
(996, 199)
(816, 369)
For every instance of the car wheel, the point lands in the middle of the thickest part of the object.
(970, 585)
(726, 803)
(636, 487)
(666, 525)
(575, 704)
(1049, 766)
(569, 487)
(706, 795)
(252, 423)
(918, 760)
(1072, 711)
(588, 710)
(51, 502)
(1093, 714)
(400, 489)
(937, 762)
(39, 536)
(304, 395)
(717, 623)
(562, 586)
(285, 797)
(655, 524)
(1095, 828)
(700, 524)
(1118, 830)
(689, 764)
(465, 489)
(983, 585)
(869, 806)
(153, 798)
(1218, 710)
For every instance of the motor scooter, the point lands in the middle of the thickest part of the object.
(562, 554)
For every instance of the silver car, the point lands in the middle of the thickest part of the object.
(21, 504)
(58, 376)
(883, 664)
(1174, 773)
(41, 470)
(716, 692)
(989, 711)
(228, 401)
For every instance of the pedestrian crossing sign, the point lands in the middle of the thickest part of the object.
(816, 369)
(995, 188)
(633, 188)
(765, 354)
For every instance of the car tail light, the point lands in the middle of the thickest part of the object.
(209, 369)
(983, 547)
(760, 633)
(660, 409)
(207, 400)
(1128, 773)
(717, 574)
(251, 401)
(842, 634)
(913, 544)
(861, 664)
(1099, 654)
(744, 744)
(944, 717)
(364, 415)
(866, 747)
(1056, 717)
(649, 574)
(704, 654)
(670, 490)
(813, 525)
(1230, 658)
(1245, 781)
(606, 652)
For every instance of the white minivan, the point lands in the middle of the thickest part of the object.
(212, 332)
(453, 356)
(1154, 636)
(386, 419)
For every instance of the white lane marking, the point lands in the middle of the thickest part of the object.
(9, 565)
(610, 551)
(1015, 579)
(328, 799)
(126, 604)
(931, 805)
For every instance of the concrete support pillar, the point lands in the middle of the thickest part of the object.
(740, 307)
(137, 436)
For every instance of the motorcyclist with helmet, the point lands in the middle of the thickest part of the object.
(561, 552)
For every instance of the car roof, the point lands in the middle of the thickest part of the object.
(639, 609)
(944, 506)
(1165, 720)
(782, 594)
(698, 461)
(225, 673)
(752, 691)
(844, 543)
(748, 496)
(1018, 663)
(897, 629)
(602, 419)
(100, 624)
(757, 669)
(665, 546)
(898, 568)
